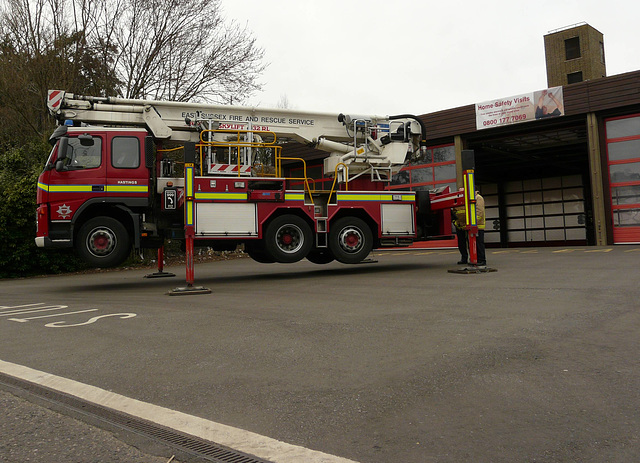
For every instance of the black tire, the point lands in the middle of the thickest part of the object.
(350, 240)
(288, 239)
(320, 256)
(258, 254)
(103, 242)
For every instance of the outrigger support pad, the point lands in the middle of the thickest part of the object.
(473, 269)
(159, 275)
(189, 290)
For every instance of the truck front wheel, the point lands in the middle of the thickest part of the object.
(103, 242)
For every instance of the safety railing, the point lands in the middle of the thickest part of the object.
(304, 178)
(335, 179)
(240, 140)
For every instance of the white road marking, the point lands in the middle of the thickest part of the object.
(239, 439)
(26, 319)
(91, 320)
(28, 309)
(4, 307)
(46, 308)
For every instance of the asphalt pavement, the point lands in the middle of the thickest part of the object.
(388, 361)
(36, 434)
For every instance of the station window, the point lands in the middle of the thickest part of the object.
(572, 48)
(574, 77)
(435, 167)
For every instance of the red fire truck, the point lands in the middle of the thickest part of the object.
(126, 174)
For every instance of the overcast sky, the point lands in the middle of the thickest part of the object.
(418, 56)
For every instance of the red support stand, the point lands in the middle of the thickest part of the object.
(473, 247)
(189, 255)
(160, 273)
(161, 259)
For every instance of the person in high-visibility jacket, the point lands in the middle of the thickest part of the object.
(460, 223)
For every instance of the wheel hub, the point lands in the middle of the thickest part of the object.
(351, 239)
(101, 242)
(289, 238)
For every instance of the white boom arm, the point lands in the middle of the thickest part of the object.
(171, 120)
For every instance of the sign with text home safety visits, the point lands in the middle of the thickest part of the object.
(520, 108)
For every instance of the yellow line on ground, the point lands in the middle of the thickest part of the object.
(601, 250)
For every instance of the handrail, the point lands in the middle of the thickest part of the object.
(166, 150)
(304, 171)
(335, 179)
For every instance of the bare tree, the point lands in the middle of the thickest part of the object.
(184, 50)
(283, 103)
(48, 44)
(162, 49)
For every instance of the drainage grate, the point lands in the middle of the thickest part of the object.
(203, 449)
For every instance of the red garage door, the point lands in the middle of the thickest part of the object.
(623, 154)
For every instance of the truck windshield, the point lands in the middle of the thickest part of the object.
(83, 157)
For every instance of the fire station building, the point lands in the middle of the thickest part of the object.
(569, 179)
(559, 166)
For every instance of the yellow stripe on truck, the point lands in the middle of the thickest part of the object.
(375, 197)
(222, 196)
(127, 188)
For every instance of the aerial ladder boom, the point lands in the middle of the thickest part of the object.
(363, 142)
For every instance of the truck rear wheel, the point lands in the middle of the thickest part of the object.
(288, 239)
(258, 254)
(350, 240)
(103, 242)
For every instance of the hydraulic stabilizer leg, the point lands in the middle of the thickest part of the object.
(468, 165)
(189, 230)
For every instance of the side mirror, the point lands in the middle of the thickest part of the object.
(63, 143)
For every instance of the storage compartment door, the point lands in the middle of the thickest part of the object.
(226, 219)
(397, 219)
